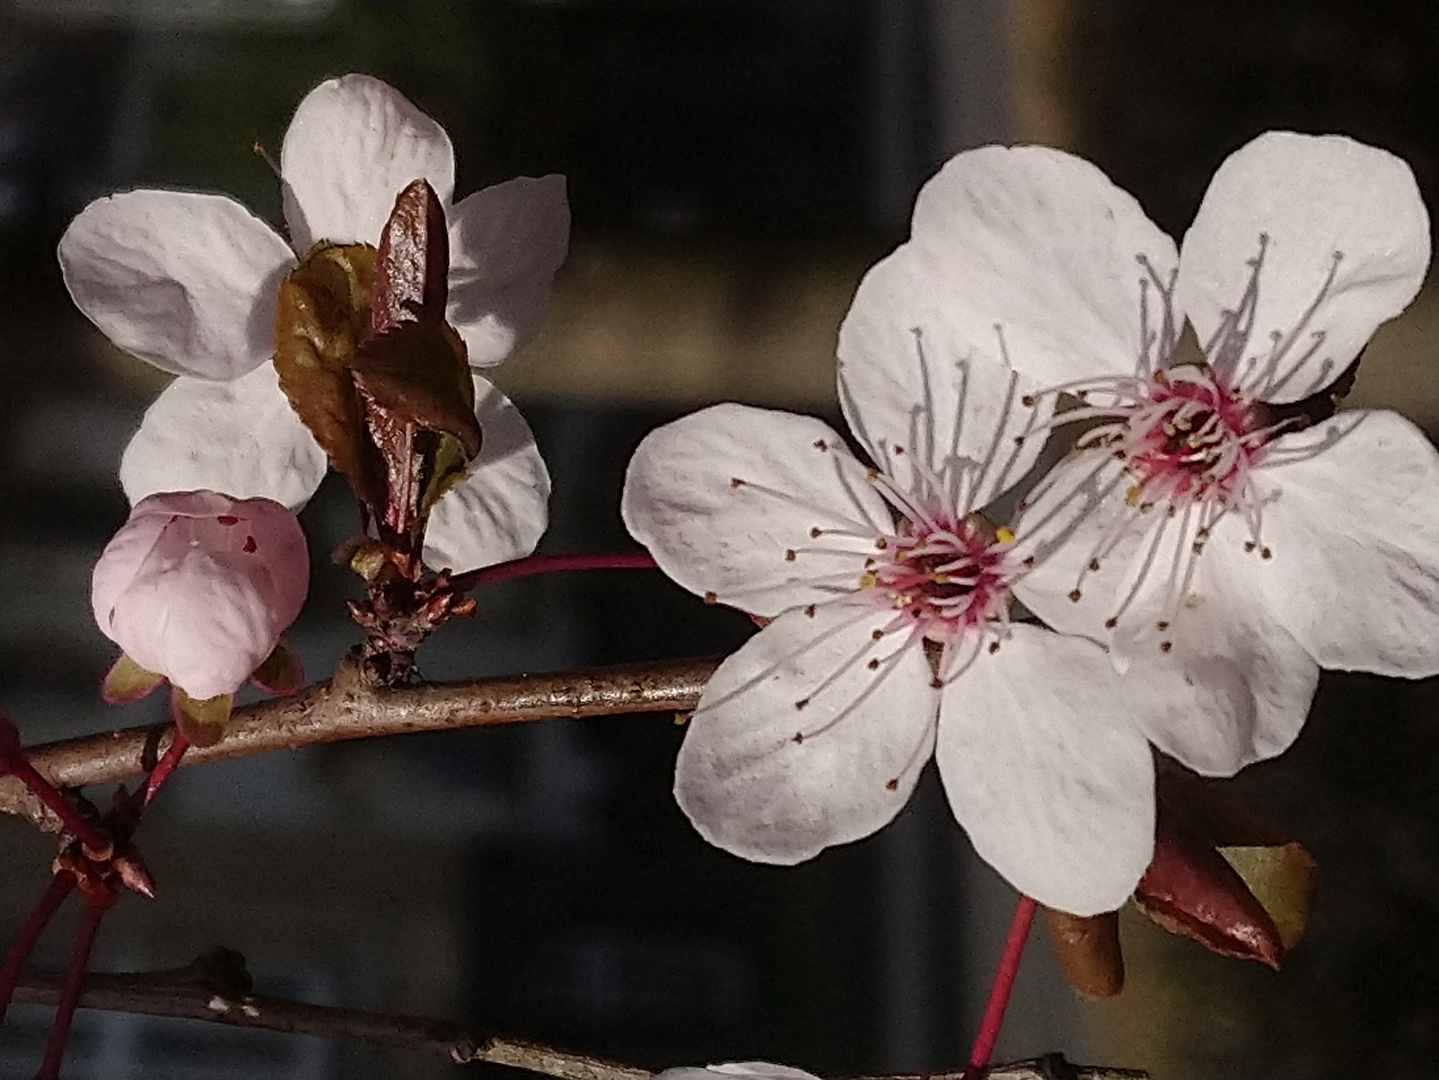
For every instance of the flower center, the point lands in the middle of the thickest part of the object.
(1188, 436)
(944, 576)
(1190, 444)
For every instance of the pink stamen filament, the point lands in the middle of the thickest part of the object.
(545, 564)
(999, 990)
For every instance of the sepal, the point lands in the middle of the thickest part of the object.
(202, 722)
(281, 673)
(127, 681)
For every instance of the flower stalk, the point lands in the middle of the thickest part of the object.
(70, 993)
(544, 564)
(55, 893)
(14, 762)
(1004, 975)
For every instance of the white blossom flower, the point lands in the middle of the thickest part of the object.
(1215, 525)
(890, 640)
(188, 282)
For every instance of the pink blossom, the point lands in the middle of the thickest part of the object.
(198, 587)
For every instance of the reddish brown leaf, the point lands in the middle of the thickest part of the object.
(1088, 951)
(321, 315)
(372, 368)
(412, 368)
(418, 373)
(1190, 889)
(411, 271)
(1278, 871)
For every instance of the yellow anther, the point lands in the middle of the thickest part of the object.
(1132, 495)
(867, 579)
(1004, 534)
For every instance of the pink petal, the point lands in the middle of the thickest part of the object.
(198, 587)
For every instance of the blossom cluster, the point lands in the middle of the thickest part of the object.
(1213, 533)
(190, 283)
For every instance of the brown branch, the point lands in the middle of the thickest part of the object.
(349, 706)
(216, 989)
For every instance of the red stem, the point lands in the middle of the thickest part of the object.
(14, 761)
(59, 888)
(999, 990)
(165, 767)
(544, 564)
(70, 993)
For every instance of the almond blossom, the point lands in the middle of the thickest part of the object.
(197, 587)
(187, 281)
(1219, 522)
(890, 637)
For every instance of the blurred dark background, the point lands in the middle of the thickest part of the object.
(734, 166)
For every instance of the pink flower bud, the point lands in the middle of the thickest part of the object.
(198, 587)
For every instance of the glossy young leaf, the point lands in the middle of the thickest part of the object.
(410, 363)
(372, 368)
(411, 368)
(321, 317)
(413, 266)
(1189, 889)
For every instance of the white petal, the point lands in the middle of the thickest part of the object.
(500, 509)
(1354, 531)
(184, 280)
(1234, 686)
(752, 788)
(1346, 242)
(506, 242)
(355, 143)
(915, 384)
(1038, 258)
(239, 437)
(1075, 514)
(1047, 774)
(723, 497)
